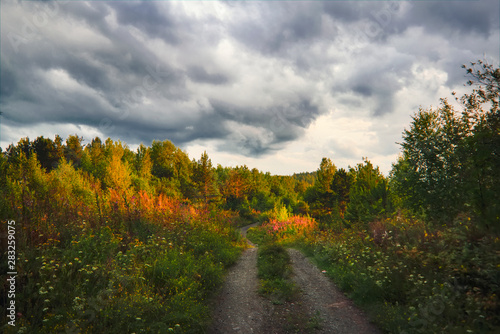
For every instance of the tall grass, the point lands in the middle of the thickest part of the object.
(104, 281)
(99, 261)
(413, 279)
(408, 276)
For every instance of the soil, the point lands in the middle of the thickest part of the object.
(318, 306)
(240, 309)
(336, 312)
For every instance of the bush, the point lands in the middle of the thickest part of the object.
(413, 279)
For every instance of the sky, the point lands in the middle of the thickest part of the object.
(274, 85)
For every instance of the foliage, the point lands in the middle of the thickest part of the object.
(292, 228)
(450, 163)
(204, 179)
(279, 212)
(412, 279)
(368, 197)
(172, 167)
(321, 196)
(95, 254)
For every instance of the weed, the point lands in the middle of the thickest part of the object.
(314, 322)
(274, 270)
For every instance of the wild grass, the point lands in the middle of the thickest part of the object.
(258, 236)
(274, 271)
(411, 277)
(104, 281)
(135, 264)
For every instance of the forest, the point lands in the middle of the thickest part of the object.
(113, 240)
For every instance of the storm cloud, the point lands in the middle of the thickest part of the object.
(251, 79)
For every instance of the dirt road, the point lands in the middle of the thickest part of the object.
(239, 308)
(320, 306)
(336, 312)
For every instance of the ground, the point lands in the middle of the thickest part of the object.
(319, 307)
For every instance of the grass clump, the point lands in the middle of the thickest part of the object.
(274, 270)
(258, 236)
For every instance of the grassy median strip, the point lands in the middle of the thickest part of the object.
(274, 270)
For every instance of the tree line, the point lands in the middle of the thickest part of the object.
(449, 166)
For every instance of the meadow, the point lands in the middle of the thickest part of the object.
(408, 277)
(94, 261)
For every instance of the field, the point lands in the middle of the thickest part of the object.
(408, 277)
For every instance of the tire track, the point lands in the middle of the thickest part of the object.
(338, 313)
(239, 307)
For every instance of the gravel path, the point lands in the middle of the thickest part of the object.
(240, 309)
(337, 313)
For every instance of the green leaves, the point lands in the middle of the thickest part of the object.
(451, 159)
(431, 149)
(204, 178)
(368, 197)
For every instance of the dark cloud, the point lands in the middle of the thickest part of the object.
(463, 17)
(363, 88)
(114, 73)
(296, 113)
(199, 74)
(373, 21)
(184, 71)
(9, 83)
(376, 82)
(275, 29)
(263, 129)
(147, 17)
(353, 11)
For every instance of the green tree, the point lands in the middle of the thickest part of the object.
(23, 148)
(143, 167)
(451, 160)
(96, 162)
(431, 147)
(70, 193)
(481, 147)
(204, 178)
(341, 185)
(173, 167)
(48, 152)
(368, 197)
(27, 189)
(74, 150)
(321, 197)
(325, 175)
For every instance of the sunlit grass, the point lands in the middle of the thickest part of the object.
(412, 279)
(409, 277)
(156, 277)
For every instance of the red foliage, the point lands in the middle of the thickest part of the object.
(295, 225)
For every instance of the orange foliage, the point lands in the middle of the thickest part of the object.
(295, 225)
